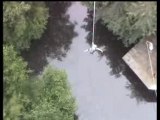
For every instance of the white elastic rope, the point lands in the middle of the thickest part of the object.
(150, 62)
(93, 22)
(151, 65)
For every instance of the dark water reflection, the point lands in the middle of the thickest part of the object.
(102, 84)
(114, 52)
(138, 90)
(56, 40)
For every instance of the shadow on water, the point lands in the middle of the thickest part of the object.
(114, 51)
(75, 117)
(56, 40)
(138, 89)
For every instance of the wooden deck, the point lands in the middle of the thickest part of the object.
(138, 60)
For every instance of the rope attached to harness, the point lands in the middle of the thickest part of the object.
(93, 22)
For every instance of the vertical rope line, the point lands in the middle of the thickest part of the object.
(93, 22)
(150, 62)
(151, 66)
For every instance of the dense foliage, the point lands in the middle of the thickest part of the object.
(27, 97)
(53, 99)
(23, 22)
(47, 97)
(131, 21)
(14, 75)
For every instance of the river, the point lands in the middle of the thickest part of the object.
(105, 88)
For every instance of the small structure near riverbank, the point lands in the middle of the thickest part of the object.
(141, 62)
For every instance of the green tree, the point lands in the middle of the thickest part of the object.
(45, 97)
(55, 101)
(131, 21)
(23, 22)
(14, 74)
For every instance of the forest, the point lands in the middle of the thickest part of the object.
(27, 96)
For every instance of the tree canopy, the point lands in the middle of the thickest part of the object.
(131, 21)
(23, 22)
(14, 74)
(29, 97)
(55, 101)
(34, 98)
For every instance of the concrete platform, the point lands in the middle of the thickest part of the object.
(138, 60)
